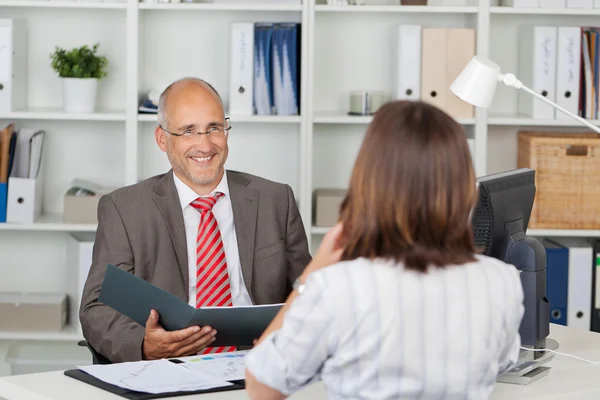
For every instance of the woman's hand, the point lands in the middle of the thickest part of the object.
(329, 252)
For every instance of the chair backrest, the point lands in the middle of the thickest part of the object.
(97, 358)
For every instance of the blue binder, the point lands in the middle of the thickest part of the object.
(3, 199)
(557, 281)
(263, 77)
(4, 185)
(286, 88)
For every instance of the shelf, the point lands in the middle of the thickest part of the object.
(58, 114)
(63, 4)
(342, 118)
(275, 119)
(67, 334)
(519, 120)
(544, 11)
(398, 9)
(48, 222)
(320, 230)
(220, 7)
(589, 233)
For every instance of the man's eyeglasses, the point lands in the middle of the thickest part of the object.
(215, 131)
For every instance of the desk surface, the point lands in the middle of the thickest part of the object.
(569, 378)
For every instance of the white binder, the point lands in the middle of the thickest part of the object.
(25, 192)
(579, 291)
(537, 69)
(80, 248)
(408, 63)
(24, 202)
(241, 79)
(13, 65)
(568, 69)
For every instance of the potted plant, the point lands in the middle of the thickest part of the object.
(79, 69)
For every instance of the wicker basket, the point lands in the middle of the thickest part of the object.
(567, 169)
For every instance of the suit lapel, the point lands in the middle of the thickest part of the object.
(244, 202)
(167, 201)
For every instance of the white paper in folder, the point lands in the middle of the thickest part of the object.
(160, 376)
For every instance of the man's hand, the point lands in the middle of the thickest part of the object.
(159, 343)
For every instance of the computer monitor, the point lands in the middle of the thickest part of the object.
(500, 222)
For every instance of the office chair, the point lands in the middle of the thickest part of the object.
(97, 358)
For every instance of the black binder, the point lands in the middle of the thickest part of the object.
(133, 395)
(135, 297)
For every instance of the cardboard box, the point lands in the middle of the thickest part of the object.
(81, 209)
(326, 206)
(33, 311)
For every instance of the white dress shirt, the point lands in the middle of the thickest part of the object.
(373, 330)
(223, 212)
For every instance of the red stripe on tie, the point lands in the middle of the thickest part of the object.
(207, 263)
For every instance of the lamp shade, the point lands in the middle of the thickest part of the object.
(476, 84)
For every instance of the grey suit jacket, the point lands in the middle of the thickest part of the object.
(141, 230)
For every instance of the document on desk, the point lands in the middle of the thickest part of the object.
(159, 376)
(135, 297)
(225, 366)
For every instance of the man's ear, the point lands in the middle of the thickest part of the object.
(161, 138)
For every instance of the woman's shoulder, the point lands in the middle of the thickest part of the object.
(498, 266)
(363, 267)
(493, 262)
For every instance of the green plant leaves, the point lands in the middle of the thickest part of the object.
(81, 62)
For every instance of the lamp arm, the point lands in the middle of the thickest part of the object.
(510, 80)
(569, 113)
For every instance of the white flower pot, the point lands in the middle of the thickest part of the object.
(79, 94)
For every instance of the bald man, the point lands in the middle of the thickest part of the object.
(210, 236)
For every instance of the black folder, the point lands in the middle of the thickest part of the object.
(135, 297)
(134, 395)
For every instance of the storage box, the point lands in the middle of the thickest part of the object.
(40, 357)
(81, 209)
(24, 200)
(33, 311)
(567, 178)
(326, 206)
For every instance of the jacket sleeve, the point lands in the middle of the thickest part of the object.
(111, 334)
(297, 253)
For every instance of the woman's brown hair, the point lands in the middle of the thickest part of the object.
(411, 191)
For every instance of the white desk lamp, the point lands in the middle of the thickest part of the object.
(476, 85)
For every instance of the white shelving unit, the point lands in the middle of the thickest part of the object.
(67, 334)
(344, 48)
(63, 4)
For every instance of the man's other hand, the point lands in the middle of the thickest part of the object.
(158, 343)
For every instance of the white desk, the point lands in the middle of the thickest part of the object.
(568, 379)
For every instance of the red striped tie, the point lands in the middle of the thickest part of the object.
(212, 279)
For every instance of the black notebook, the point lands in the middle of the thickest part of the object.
(133, 395)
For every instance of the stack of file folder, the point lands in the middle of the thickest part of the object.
(20, 163)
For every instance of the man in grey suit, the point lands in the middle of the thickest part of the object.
(209, 236)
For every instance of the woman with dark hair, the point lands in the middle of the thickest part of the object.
(396, 302)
